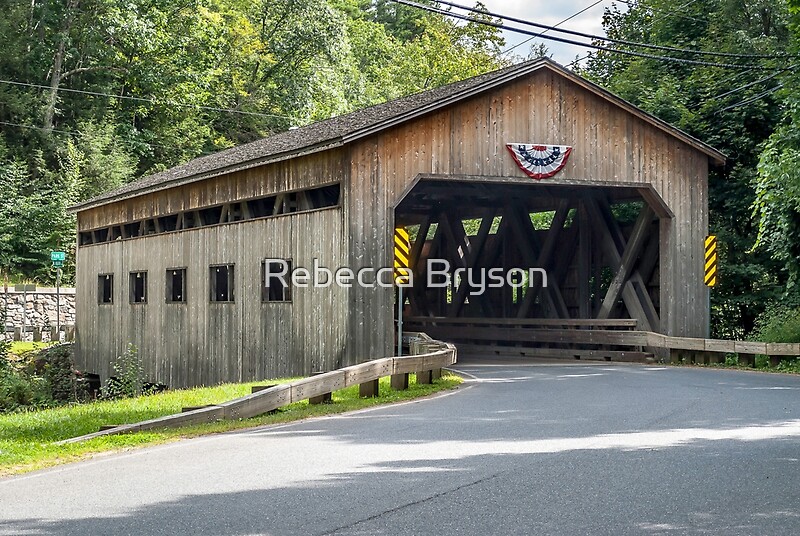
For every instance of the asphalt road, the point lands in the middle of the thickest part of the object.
(521, 449)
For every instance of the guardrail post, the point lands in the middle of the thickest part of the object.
(325, 398)
(17, 333)
(662, 355)
(436, 374)
(37, 334)
(424, 376)
(69, 333)
(774, 360)
(55, 335)
(369, 389)
(714, 358)
(399, 382)
(747, 360)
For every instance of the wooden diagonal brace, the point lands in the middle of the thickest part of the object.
(545, 260)
(531, 252)
(467, 253)
(641, 231)
(610, 236)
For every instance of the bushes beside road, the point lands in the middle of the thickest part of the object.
(39, 377)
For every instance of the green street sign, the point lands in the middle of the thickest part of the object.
(58, 256)
(58, 264)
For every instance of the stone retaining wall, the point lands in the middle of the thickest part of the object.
(38, 309)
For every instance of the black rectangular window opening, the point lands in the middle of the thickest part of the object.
(276, 287)
(276, 204)
(105, 288)
(222, 283)
(176, 285)
(138, 287)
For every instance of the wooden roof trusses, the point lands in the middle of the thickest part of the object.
(596, 267)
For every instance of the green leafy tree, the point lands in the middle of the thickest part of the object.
(107, 91)
(33, 217)
(695, 98)
(777, 185)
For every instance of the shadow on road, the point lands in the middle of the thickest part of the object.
(571, 450)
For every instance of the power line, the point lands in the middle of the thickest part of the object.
(751, 99)
(79, 134)
(649, 24)
(737, 76)
(31, 127)
(751, 84)
(662, 48)
(666, 13)
(584, 10)
(588, 45)
(143, 99)
(740, 88)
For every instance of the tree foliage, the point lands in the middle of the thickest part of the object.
(106, 91)
(777, 185)
(694, 98)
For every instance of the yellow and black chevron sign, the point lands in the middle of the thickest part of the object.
(711, 261)
(402, 255)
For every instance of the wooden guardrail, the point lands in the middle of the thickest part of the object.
(703, 351)
(593, 339)
(436, 356)
(604, 323)
(37, 332)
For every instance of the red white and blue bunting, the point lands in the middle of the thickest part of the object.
(539, 161)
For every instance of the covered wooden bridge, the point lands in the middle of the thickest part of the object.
(527, 167)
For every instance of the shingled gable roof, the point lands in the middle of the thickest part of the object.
(343, 129)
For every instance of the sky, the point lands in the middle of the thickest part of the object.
(551, 12)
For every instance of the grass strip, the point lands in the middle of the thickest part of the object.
(27, 438)
(18, 348)
(786, 366)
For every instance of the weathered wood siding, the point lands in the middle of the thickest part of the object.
(200, 342)
(203, 342)
(610, 144)
(296, 174)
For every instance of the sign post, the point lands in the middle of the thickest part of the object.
(58, 303)
(58, 258)
(5, 302)
(710, 273)
(402, 254)
(399, 321)
(710, 278)
(24, 288)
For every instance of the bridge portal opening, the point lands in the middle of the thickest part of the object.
(565, 250)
